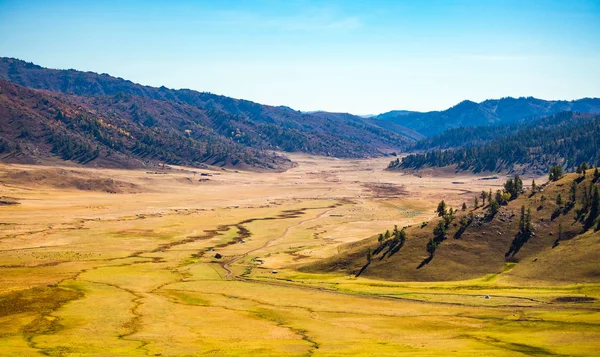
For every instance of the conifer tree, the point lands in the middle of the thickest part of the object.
(493, 208)
(594, 210)
(528, 225)
(441, 209)
(573, 192)
(522, 219)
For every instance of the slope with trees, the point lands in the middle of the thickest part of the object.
(248, 123)
(565, 139)
(37, 125)
(521, 234)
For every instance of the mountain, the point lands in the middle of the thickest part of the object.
(37, 126)
(565, 139)
(557, 242)
(490, 112)
(241, 125)
(374, 124)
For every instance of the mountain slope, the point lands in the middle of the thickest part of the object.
(558, 250)
(566, 139)
(251, 124)
(495, 111)
(36, 126)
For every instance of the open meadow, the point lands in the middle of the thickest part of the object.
(190, 262)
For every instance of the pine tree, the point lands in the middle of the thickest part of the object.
(402, 236)
(596, 174)
(475, 202)
(559, 200)
(522, 220)
(380, 238)
(464, 206)
(556, 172)
(483, 197)
(528, 225)
(584, 167)
(594, 210)
(440, 230)
(533, 186)
(493, 208)
(573, 192)
(518, 184)
(441, 209)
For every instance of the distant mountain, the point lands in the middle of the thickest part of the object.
(374, 124)
(208, 118)
(565, 139)
(490, 112)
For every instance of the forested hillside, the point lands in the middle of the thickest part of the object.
(249, 124)
(566, 139)
(38, 125)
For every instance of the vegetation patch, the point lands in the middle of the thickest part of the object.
(574, 299)
(39, 300)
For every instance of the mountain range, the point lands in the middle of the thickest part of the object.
(489, 112)
(97, 119)
(138, 125)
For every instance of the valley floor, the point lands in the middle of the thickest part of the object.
(84, 272)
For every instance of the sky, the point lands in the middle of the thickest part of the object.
(361, 57)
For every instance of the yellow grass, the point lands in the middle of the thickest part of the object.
(89, 273)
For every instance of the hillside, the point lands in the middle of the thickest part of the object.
(246, 123)
(40, 126)
(490, 112)
(567, 139)
(562, 245)
(374, 124)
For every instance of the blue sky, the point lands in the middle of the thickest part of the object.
(360, 57)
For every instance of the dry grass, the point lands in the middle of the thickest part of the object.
(92, 273)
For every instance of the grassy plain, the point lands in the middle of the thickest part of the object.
(85, 272)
